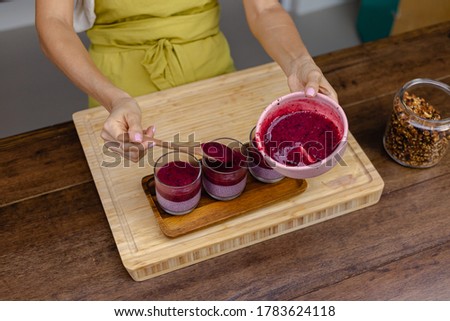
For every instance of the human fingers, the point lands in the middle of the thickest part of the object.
(127, 145)
(133, 120)
(313, 79)
(328, 90)
(130, 150)
(148, 135)
(150, 131)
(113, 128)
(125, 117)
(106, 136)
(132, 155)
(122, 146)
(123, 126)
(305, 76)
(295, 84)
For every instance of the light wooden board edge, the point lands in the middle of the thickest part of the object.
(288, 226)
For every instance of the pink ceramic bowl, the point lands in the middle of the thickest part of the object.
(293, 103)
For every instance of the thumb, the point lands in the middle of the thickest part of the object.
(313, 80)
(134, 128)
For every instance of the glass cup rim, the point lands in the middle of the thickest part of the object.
(254, 148)
(241, 147)
(228, 138)
(423, 122)
(197, 161)
(304, 171)
(250, 138)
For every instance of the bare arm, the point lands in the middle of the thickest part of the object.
(277, 33)
(61, 44)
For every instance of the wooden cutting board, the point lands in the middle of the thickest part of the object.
(228, 105)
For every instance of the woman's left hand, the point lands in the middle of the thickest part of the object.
(305, 75)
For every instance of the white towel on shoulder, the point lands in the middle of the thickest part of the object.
(83, 15)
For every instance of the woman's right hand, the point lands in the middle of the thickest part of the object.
(122, 130)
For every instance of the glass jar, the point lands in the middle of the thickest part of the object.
(178, 182)
(257, 166)
(224, 165)
(417, 134)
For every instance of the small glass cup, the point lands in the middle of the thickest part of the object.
(257, 166)
(178, 182)
(418, 132)
(225, 180)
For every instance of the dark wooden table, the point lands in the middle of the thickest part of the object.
(56, 243)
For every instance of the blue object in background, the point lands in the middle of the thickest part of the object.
(375, 18)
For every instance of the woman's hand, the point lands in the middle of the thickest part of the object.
(123, 132)
(305, 75)
(278, 34)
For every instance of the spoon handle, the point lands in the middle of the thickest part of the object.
(191, 147)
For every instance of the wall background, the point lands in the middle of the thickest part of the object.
(303, 7)
(16, 14)
(20, 13)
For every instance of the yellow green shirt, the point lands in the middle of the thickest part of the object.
(147, 45)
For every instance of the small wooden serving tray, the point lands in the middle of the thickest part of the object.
(210, 211)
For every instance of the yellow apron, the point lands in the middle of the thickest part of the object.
(147, 45)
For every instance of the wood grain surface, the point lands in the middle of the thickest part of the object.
(57, 245)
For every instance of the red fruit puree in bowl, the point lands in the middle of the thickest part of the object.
(300, 137)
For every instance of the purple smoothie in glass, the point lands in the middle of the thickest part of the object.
(224, 169)
(178, 186)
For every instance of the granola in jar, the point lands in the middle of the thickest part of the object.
(417, 134)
